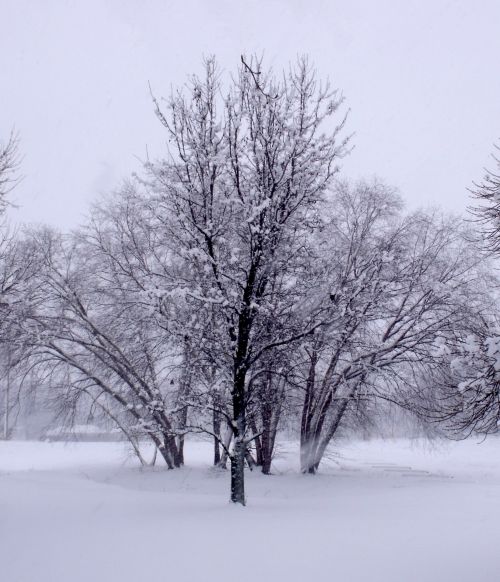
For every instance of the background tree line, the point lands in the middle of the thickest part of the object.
(239, 284)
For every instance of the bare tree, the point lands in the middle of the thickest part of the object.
(238, 197)
(93, 344)
(397, 283)
(10, 274)
(464, 382)
(461, 391)
(18, 266)
(487, 193)
(9, 165)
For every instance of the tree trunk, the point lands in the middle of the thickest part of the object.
(216, 428)
(267, 452)
(238, 472)
(308, 456)
(249, 459)
(228, 437)
(6, 427)
(170, 452)
(266, 464)
(307, 445)
(257, 441)
(180, 443)
(313, 453)
(332, 429)
(240, 447)
(165, 453)
(180, 450)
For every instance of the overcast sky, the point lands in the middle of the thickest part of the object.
(421, 78)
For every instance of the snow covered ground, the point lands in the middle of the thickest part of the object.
(391, 511)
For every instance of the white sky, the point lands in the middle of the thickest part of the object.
(422, 79)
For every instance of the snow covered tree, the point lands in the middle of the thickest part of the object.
(238, 197)
(467, 363)
(95, 345)
(396, 283)
(462, 390)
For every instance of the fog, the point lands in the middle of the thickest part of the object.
(420, 79)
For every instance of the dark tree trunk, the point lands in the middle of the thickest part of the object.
(306, 438)
(266, 464)
(167, 457)
(241, 339)
(180, 451)
(269, 399)
(170, 452)
(267, 448)
(240, 447)
(216, 428)
(238, 472)
(257, 441)
(180, 443)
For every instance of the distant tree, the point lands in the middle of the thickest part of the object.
(487, 211)
(9, 165)
(16, 266)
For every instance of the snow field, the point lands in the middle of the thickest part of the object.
(388, 511)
